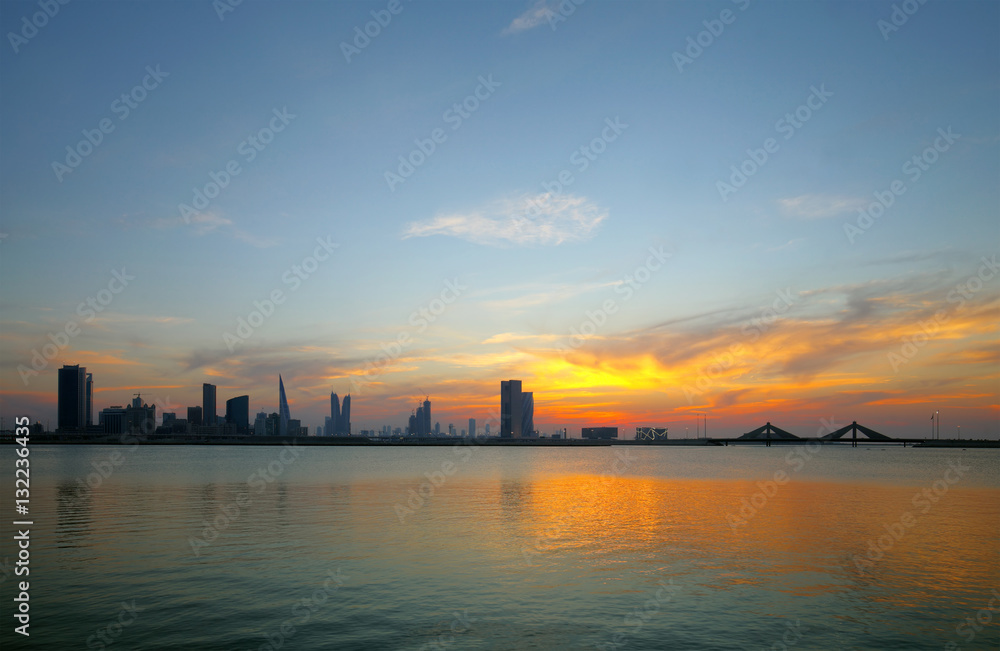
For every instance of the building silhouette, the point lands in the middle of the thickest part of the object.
(599, 432)
(208, 412)
(283, 413)
(72, 405)
(345, 416)
(472, 427)
(528, 414)
(511, 409)
(238, 413)
(88, 418)
(194, 416)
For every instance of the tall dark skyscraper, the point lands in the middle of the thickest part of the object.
(345, 416)
(426, 425)
(333, 422)
(194, 415)
(331, 428)
(527, 413)
(72, 410)
(89, 417)
(238, 413)
(208, 414)
(472, 428)
(284, 415)
(511, 409)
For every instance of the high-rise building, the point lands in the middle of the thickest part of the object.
(140, 418)
(169, 418)
(72, 408)
(284, 415)
(426, 425)
(208, 413)
(89, 417)
(418, 422)
(333, 426)
(411, 427)
(511, 409)
(260, 423)
(487, 429)
(528, 413)
(238, 413)
(194, 416)
(345, 416)
(472, 427)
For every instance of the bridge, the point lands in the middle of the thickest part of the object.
(768, 434)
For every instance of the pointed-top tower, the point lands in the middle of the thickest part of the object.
(283, 413)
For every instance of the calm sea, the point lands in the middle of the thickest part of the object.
(487, 548)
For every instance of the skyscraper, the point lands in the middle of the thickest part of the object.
(426, 425)
(72, 397)
(333, 425)
(472, 427)
(89, 417)
(345, 416)
(194, 416)
(208, 404)
(511, 408)
(418, 423)
(283, 414)
(528, 413)
(238, 413)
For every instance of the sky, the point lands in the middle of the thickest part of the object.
(645, 211)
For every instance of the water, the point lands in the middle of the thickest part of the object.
(519, 548)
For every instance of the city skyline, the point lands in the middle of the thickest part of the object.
(671, 216)
(513, 406)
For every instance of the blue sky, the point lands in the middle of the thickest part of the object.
(461, 216)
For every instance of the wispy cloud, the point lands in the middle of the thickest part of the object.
(538, 14)
(205, 223)
(543, 219)
(819, 206)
